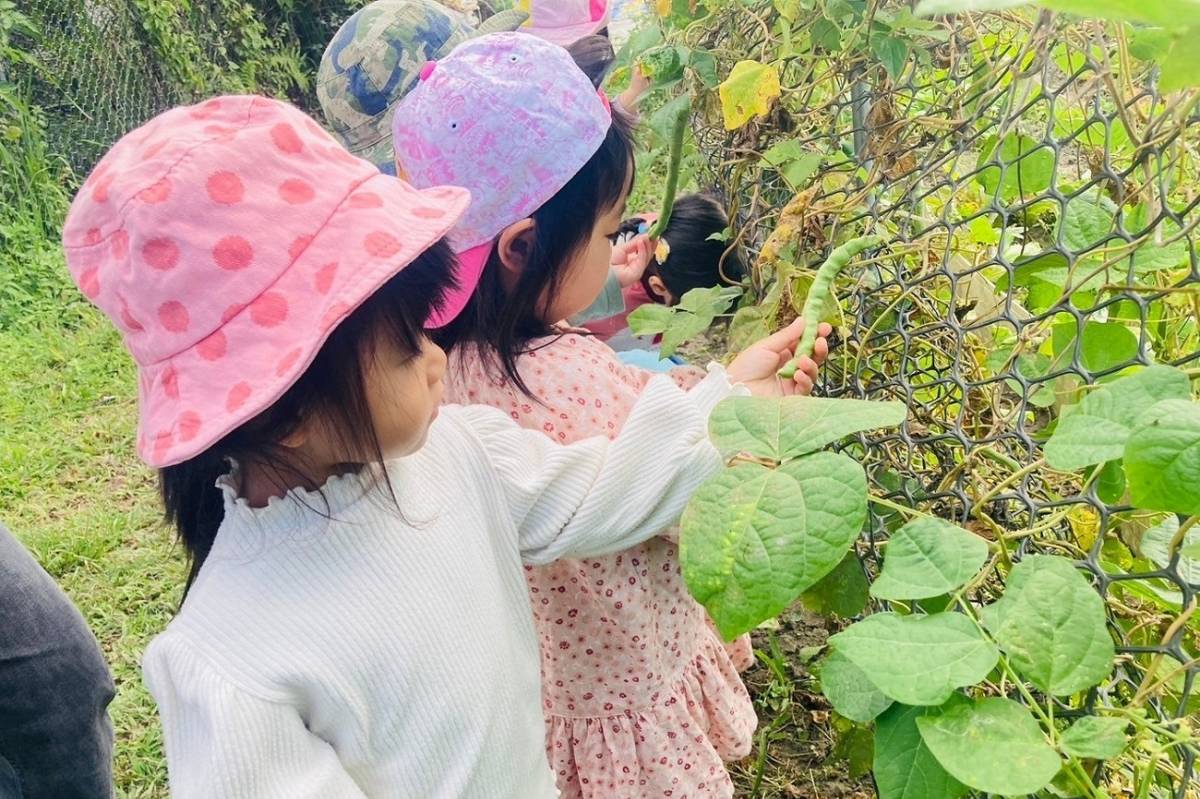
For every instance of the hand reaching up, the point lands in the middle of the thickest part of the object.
(755, 366)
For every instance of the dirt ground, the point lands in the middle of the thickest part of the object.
(796, 755)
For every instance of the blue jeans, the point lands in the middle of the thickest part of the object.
(55, 737)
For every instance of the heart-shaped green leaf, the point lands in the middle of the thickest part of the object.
(918, 660)
(1096, 430)
(849, 690)
(780, 428)
(1094, 737)
(928, 557)
(992, 745)
(904, 766)
(1156, 545)
(842, 592)
(1051, 623)
(1162, 458)
(752, 538)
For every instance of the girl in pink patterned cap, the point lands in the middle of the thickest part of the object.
(640, 697)
(355, 621)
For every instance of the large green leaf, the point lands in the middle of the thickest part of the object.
(795, 161)
(1105, 345)
(787, 427)
(1087, 222)
(918, 660)
(1162, 458)
(849, 690)
(992, 745)
(842, 592)
(1051, 624)
(1097, 428)
(1156, 545)
(928, 557)
(754, 538)
(1094, 737)
(1025, 167)
(904, 766)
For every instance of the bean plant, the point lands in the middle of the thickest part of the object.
(997, 488)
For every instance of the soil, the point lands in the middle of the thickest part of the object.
(800, 761)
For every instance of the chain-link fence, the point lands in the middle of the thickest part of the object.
(1041, 197)
(100, 68)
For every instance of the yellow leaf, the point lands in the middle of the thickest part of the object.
(663, 7)
(748, 92)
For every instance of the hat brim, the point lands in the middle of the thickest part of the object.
(379, 228)
(470, 269)
(568, 34)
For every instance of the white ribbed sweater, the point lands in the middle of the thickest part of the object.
(374, 654)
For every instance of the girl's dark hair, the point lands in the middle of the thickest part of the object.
(501, 323)
(594, 56)
(695, 259)
(332, 390)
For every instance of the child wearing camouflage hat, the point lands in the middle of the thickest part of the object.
(373, 61)
(376, 57)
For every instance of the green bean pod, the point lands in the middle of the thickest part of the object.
(678, 128)
(822, 285)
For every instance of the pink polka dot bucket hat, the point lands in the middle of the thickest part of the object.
(564, 22)
(225, 240)
(509, 117)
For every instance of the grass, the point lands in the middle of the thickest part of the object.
(74, 492)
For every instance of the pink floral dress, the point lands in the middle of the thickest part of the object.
(641, 697)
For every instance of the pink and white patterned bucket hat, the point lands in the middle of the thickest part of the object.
(508, 116)
(564, 21)
(225, 240)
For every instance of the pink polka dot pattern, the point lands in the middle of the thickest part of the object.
(156, 193)
(174, 316)
(224, 241)
(170, 382)
(213, 348)
(381, 244)
(120, 245)
(641, 698)
(269, 310)
(89, 283)
(238, 396)
(225, 187)
(296, 191)
(161, 253)
(325, 276)
(233, 253)
(286, 139)
(287, 362)
(189, 425)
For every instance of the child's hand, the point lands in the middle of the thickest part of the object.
(629, 260)
(755, 366)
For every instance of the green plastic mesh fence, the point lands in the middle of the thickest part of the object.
(1042, 200)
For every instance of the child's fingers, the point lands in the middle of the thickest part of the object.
(785, 338)
(820, 350)
(824, 330)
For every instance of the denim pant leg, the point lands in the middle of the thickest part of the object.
(55, 736)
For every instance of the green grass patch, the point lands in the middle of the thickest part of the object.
(74, 492)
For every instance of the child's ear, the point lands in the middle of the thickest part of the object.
(515, 246)
(659, 289)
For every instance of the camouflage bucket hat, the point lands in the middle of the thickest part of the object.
(376, 57)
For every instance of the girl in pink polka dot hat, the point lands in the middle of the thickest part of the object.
(641, 699)
(355, 621)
